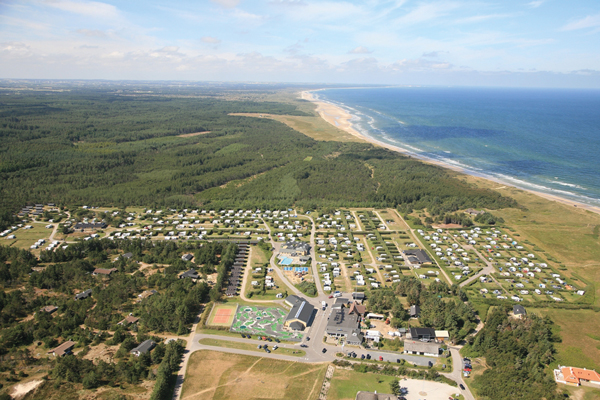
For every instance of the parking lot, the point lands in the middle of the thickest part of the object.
(428, 390)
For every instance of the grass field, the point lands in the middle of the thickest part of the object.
(213, 375)
(222, 315)
(580, 333)
(251, 347)
(314, 127)
(346, 383)
(565, 232)
(27, 237)
(581, 393)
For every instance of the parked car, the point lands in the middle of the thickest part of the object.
(303, 345)
(368, 356)
(362, 356)
(324, 350)
(243, 335)
(380, 358)
(267, 350)
(249, 337)
(259, 347)
(398, 361)
(461, 386)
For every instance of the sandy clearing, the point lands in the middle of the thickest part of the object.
(22, 389)
(193, 134)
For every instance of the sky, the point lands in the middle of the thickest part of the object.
(522, 43)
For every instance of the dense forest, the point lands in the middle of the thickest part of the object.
(110, 146)
(518, 352)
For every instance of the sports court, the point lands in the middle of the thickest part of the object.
(222, 314)
(266, 321)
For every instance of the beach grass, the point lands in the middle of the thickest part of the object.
(578, 329)
(313, 126)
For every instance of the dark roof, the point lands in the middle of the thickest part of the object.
(64, 348)
(519, 310)
(187, 257)
(297, 326)
(189, 274)
(302, 311)
(422, 333)
(144, 347)
(341, 301)
(421, 255)
(90, 225)
(415, 311)
(293, 299)
(341, 322)
(83, 295)
(127, 255)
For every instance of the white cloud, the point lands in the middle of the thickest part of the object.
(360, 50)
(88, 8)
(91, 32)
(591, 21)
(481, 18)
(427, 12)
(535, 3)
(210, 39)
(227, 3)
(323, 11)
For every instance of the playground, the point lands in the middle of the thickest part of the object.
(267, 321)
(222, 315)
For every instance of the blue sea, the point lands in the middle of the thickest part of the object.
(546, 140)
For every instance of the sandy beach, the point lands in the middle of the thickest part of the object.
(341, 119)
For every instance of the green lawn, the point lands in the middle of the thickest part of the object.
(251, 347)
(346, 383)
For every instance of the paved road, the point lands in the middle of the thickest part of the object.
(456, 374)
(314, 352)
(313, 256)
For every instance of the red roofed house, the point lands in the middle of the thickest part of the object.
(103, 271)
(130, 319)
(576, 376)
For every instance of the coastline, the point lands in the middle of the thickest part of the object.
(341, 119)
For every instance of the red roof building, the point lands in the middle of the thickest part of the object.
(577, 375)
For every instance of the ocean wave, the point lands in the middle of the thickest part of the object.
(569, 185)
(545, 189)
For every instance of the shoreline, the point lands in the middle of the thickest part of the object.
(341, 119)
